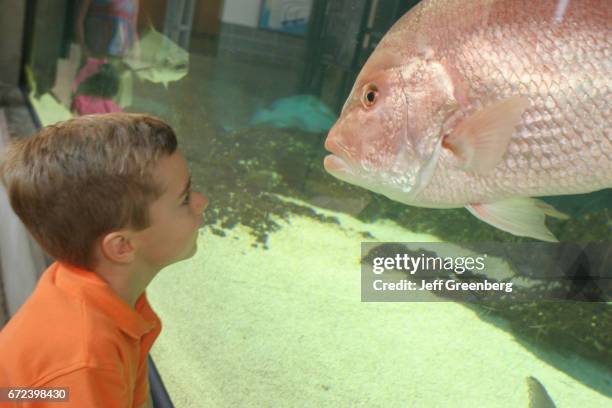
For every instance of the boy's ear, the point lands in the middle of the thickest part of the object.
(117, 247)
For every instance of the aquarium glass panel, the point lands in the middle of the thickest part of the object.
(408, 216)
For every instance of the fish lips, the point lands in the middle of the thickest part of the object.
(337, 163)
(334, 164)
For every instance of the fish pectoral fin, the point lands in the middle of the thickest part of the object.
(481, 139)
(521, 216)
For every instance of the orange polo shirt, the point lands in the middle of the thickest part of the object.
(75, 332)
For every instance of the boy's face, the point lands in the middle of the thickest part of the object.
(175, 217)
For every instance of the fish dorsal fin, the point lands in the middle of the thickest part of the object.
(522, 216)
(538, 397)
(480, 140)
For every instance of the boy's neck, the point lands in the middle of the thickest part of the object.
(127, 282)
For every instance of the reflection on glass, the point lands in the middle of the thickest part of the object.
(106, 32)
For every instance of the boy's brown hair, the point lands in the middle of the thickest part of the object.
(76, 180)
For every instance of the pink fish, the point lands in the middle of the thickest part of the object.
(484, 104)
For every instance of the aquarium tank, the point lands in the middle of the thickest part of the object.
(312, 283)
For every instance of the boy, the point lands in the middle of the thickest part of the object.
(108, 196)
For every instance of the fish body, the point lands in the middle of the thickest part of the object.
(484, 104)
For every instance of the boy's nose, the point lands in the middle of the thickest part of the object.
(202, 203)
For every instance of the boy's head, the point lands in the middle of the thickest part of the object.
(104, 186)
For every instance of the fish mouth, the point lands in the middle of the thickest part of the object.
(336, 149)
(337, 163)
(334, 164)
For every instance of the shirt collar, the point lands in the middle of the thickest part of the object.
(89, 286)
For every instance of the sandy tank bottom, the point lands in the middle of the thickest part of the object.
(286, 327)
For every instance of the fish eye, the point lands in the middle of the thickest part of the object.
(370, 95)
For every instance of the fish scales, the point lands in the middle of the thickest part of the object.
(502, 48)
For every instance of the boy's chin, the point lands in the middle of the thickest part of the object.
(194, 248)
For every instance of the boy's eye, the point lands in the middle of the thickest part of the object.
(187, 197)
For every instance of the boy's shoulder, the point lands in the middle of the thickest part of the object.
(54, 331)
